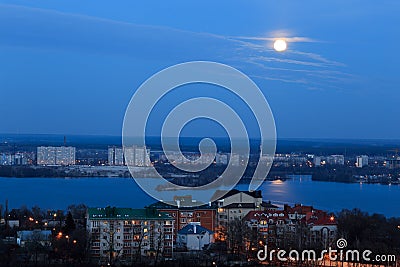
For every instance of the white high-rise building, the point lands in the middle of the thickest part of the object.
(50, 155)
(222, 159)
(317, 161)
(115, 156)
(361, 161)
(235, 159)
(335, 160)
(137, 156)
(142, 157)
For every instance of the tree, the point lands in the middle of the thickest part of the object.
(239, 236)
(373, 232)
(37, 213)
(78, 212)
(138, 236)
(69, 224)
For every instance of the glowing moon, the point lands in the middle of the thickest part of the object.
(280, 45)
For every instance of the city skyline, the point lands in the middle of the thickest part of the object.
(71, 68)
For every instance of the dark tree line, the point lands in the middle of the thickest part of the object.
(374, 232)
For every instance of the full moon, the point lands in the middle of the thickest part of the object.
(280, 45)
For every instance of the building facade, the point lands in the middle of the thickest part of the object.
(335, 160)
(293, 227)
(194, 237)
(361, 161)
(125, 235)
(50, 155)
(205, 215)
(116, 156)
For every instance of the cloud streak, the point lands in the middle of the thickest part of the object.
(40, 28)
(293, 39)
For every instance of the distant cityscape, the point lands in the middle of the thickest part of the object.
(70, 161)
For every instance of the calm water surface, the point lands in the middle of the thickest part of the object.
(58, 193)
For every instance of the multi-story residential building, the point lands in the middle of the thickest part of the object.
(125, 234)
(221, 159)
(323, 229)
(182, 216)
(132, 156)
(335, 159)
(49, 155)
(236, 205)
(361, 161)
(116, 156)
(298, 211)
(136, 156)
(317, 161)
(269, 227)
(294, 227)
(393, 163)
(234, 159)
(216, 215)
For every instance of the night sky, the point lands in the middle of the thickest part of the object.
(71, 67)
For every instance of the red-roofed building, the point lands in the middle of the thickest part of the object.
(323, 228)
(293, 227)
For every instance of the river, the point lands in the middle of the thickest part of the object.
(58, 193)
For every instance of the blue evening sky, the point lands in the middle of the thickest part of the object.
(71, 67)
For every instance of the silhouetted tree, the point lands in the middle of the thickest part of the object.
(69, 224)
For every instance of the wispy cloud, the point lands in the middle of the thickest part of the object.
(292, 39)
(317, 57)
(33, 27)
(287, 61)
(298, 81)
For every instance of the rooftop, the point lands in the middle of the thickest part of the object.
(192, 229)
(240, 205)
(161, 205)
(38, 235)
(126, 214)
(255, 194)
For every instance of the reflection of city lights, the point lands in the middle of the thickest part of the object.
(277, 182)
